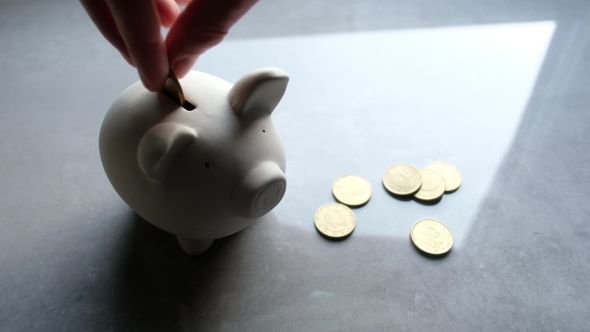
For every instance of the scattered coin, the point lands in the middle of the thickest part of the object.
(433, 186)
(432, 237)
(173, 89)
(335, 220)
(402, 179)
(449, 173)
(351, 190)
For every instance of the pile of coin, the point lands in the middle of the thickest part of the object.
(427, 184)
(337, 220)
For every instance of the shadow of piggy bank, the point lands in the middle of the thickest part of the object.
(199, 174)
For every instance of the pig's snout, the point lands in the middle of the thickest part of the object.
(269, 197)
(260, 191)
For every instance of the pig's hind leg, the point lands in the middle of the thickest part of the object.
(194, 247)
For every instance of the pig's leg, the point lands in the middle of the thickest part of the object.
(194, 247)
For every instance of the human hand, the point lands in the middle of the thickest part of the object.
(133, 28)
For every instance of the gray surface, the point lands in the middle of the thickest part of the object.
(74, 257)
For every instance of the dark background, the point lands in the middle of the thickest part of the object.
(73, 257)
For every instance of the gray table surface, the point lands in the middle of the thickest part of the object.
(371, 84)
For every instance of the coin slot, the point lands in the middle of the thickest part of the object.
(173, 90)
(187, 105)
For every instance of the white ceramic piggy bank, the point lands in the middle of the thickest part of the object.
(200, 174)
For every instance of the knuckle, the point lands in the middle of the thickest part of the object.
(208, 37)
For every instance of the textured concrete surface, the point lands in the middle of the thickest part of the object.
(73, 257)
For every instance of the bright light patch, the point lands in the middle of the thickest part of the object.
(359, 102)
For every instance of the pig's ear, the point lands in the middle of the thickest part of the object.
(160, 147)
(259, 89)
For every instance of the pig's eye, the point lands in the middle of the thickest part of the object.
(207, 165)
(264, 130)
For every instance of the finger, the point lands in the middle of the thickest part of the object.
(139, 25)
(101, 15)
(168, 10)
(202, 25)
(183, 2)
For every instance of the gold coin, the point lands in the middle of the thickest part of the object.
(433, 186)
(449, 173)
(351, 190)
(402, 179)
(335, 220)
(432, 237)
(173, 89)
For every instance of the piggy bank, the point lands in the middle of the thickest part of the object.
(199, 174)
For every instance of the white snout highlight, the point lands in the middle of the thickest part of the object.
(260, 191)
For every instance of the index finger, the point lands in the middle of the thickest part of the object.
(139, 25)
(202, 25)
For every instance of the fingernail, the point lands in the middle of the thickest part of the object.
(183, 66)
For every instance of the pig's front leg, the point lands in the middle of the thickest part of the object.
(194, 247)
